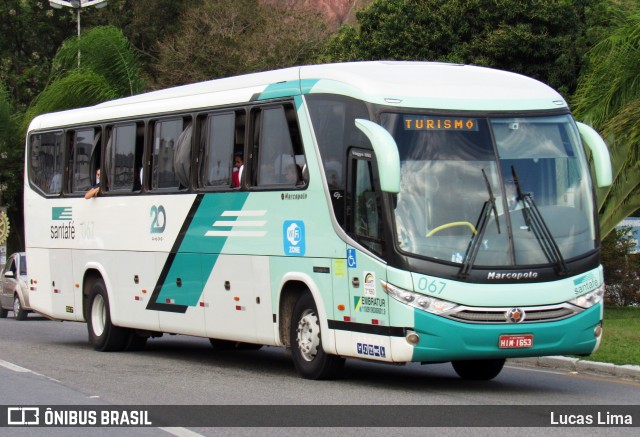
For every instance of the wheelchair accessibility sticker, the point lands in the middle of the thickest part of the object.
(351, 259)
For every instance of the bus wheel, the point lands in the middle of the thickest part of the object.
(135, 341)
(309, 359)
(103, 335)
(478, 370)
(18, 311)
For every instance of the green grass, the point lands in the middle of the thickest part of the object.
(621, 341)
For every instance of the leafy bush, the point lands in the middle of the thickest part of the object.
(621, 268)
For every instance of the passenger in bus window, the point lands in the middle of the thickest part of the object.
(293, 175)
(95, 188)
(56, 184)
(238, 166)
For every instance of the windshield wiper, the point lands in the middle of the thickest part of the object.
(474, 245)
(534, 221)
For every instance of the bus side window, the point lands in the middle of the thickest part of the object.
(46, 161)
(166, 137)
(278, 147)
(138, 166)
(123, 150)
(333, 123)
(82, 143)
(366, 222)
(217, 141)
(182, 157)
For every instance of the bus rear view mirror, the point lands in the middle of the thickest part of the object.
(600, 152)
(387, 156)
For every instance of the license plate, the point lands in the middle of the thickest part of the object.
(515, 341)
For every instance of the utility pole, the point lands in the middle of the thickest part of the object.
(77, 5)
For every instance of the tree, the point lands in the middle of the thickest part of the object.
(11, 161)
(107, 52)
(6, 120)
(109, 70)
(542, 39)
(144, 23)
(30, 32)
(621, 268)
(608, 98)
(228, 37)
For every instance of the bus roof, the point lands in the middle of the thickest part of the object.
(430, 85)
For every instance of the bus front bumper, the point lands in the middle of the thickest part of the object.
(442, 339)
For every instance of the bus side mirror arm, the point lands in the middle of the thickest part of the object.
(387, 156)
(600, 153)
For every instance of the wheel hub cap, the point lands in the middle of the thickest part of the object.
(308, 335)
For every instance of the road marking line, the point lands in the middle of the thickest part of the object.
(16, 368)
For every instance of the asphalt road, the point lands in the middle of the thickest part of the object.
(44, 362)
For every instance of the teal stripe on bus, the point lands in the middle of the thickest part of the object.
(198, 252)
(287, 89)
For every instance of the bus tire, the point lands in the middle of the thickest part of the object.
(135, 341)
(19, 312)
(478, 370)
(103, 335)
(309, 358)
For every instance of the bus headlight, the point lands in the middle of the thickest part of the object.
(589, 299)
(417, 300)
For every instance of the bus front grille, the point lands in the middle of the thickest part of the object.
(501, 315)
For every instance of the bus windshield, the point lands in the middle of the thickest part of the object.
(530, 172)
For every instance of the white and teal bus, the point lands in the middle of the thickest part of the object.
(388, 211)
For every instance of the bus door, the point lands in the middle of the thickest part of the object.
(237, 300)
(182, 287)
(66, 302)
(369, 306)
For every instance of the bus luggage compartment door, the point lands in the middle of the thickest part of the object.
(66, 301)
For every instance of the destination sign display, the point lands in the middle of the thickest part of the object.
(432, 123)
